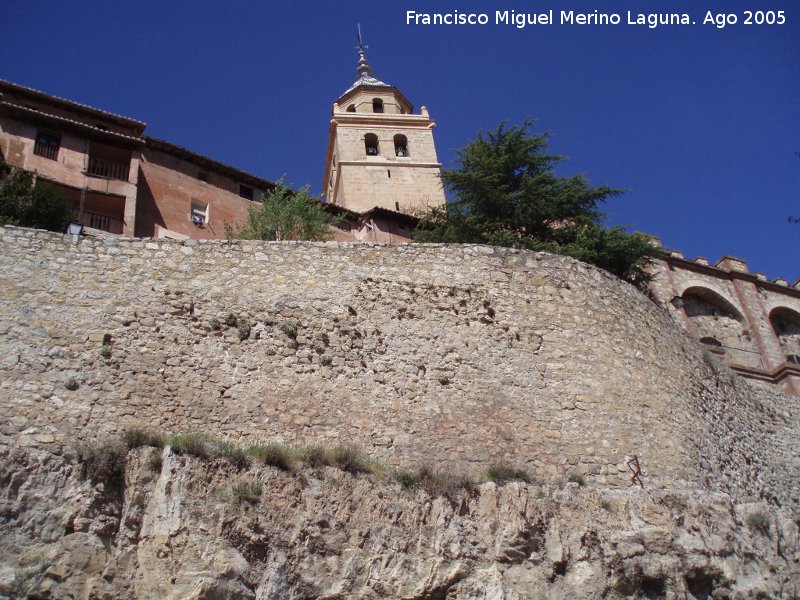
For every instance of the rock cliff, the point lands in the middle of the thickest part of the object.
(181, 532)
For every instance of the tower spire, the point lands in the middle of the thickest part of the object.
(363, 70)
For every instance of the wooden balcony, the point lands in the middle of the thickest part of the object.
(98, 221)
(108, 169)
(45, 149)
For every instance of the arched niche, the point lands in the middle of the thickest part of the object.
(786, 325)
(401, 145)
(371, 144)
(714, 318)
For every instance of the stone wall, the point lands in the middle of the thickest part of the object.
(421, 354)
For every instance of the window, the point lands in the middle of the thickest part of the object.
(400, 145)
(793, 359)
(351, 108)
(47, 145)
(246, 192)
(199, 213)
(377, 105)
(371, 144)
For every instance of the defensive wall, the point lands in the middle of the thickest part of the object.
(449, 355)
(752, 324)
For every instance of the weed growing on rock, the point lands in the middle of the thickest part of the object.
(136, 438)
(247, 492)
(325, 361)
(352, 460)
(442, 483)
(502, 473)
(443, 379)
(406, 479)
(576, 478)
(235, 455)
(71, 384)
(155, 462)
(313, 457)
(243, 328)
(104, 463)
(230, 320)
(214, 324)
(759, 523)
(193, 444)
(289, 328)
(274, 455)
(606, 505)
(105, 351)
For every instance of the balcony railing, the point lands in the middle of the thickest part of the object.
(46, 150)
(98, 221)
(108, 169)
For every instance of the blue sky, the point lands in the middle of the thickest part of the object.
(699, 124)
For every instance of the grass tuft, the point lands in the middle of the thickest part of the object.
(502, 473)
(274, 455)
(351, 459)
(247, 492)
(576, 478)
(313, 457)
(442, 483)
(289, 328)
(235, 455)
(104, 463)
(192, 444)
(242, 328)
(136, 438)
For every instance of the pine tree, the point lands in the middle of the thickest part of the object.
(506, 194)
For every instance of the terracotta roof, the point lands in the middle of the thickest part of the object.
(375, 211)
(71, 103)
(38, 115)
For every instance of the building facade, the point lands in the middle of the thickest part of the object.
(120, 181)
(750, 323)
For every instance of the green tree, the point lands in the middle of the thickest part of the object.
(39, 204)
(506, 194)
(284, 214)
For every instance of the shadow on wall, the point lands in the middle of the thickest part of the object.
(147, 213)
(716, 322)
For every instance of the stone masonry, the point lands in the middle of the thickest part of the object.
(448, 355)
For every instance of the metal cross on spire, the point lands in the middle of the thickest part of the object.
(363, 70)
(361, 45)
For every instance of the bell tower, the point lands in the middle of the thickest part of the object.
(380, 154)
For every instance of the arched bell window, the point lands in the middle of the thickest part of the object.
(400, 145)
(371, 144)
(377, 105)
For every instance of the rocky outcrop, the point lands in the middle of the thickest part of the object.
(181, 527)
